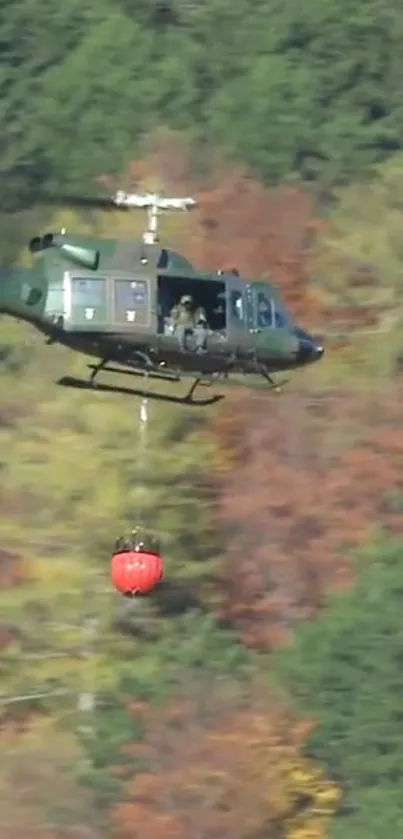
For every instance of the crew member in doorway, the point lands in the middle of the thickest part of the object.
(182, 319)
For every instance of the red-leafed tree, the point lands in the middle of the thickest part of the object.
(239, 224)
(302, 483)
(219, 769)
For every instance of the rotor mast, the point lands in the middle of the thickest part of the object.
(155, 206)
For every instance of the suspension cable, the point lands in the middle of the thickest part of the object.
(142, 456)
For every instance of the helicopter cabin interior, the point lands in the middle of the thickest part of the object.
(208, 294)
(252, 306)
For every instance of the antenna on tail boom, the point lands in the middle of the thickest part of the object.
(155, 205)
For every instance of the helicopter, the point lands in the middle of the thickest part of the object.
(111, 299)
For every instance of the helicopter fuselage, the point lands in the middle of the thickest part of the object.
(112, 300)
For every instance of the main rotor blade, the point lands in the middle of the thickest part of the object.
(84, 201)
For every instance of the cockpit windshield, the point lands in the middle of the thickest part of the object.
(270, 309)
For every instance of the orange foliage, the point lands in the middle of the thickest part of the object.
(263, 234)
(223, 772)
(240, 224)
(306, 480)
(311, 476)
(266, 234)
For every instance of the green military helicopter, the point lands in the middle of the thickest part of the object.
(111, 299)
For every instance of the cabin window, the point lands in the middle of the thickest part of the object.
(131, 304)
(30, 296)
(163, 259)
(54, 299)
(88, 292)
(211, 295)
(88, 301)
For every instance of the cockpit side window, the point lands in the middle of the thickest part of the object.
(281, 317)
(264, 310)
(269, 308)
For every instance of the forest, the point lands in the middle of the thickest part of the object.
(258, 693)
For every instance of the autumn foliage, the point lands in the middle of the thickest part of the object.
(301, 480)
(215, 769)
(307, 479)
(305, 476)
(239, 224)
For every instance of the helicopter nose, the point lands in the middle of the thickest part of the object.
(309, 349)
(318, 351)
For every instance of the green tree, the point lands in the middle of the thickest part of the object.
(84, 85)
(325, 82)
(345, 670)
(35, 38)
(357, 265)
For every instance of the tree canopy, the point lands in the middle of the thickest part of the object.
(311, 91)
(116, 715)
(346, 669)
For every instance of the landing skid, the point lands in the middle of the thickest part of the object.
(153, 373)
(124, 371)
(168, 376)
(147, 370)
(149, 374)
(141, 362)
(276, 386)
(82, 384)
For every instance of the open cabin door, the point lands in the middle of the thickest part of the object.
(207, 294)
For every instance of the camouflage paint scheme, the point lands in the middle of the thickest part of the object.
(104, 298)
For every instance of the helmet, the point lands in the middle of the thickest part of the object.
(186, 298)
